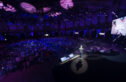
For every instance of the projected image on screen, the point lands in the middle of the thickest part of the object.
(119, 26)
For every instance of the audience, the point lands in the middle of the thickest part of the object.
(21, 55)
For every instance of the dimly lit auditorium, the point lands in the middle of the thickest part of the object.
(62, 40)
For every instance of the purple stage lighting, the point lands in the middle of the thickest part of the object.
(28, 7)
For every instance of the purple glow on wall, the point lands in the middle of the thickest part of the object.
(76, 23)
(7, 8)
(102, 18)
(94, 20)
(32, 33)
(46, 9)
(62, 25)
(1, 4)
(81, 22)
(110, 17)
(88, 21)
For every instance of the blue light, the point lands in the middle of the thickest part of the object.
(47, 24)
(2, 38)
(25, 15)
(98, 31)
(85, 31)
(63, 32)
(53, 33)
(35, 16)
(37, 24)
(10, 23)
(46, 17)
(113, 36)
(74, 32)
(32, 34)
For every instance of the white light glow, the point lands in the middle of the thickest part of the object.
(81, 47)
(76, 32)
(5, 39)
(46, 34)
(101, 33)
(55, 14)
(63, 59)
(71, 55)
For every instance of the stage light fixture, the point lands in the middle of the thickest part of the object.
(28, 7)
(66, 4)
(46, 9)
(1, 5)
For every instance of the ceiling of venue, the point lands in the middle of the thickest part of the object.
(79, 5)
(75, 13)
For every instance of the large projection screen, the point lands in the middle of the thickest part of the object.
(119, 26)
